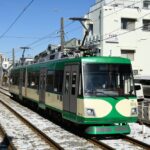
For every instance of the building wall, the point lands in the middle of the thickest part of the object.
(107, 26)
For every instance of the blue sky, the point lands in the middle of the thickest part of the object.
(42, 18)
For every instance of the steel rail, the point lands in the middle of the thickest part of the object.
(103, 145)
(135, 141)
(6, 89)
(43, 136)
(100, 144)
(7, 94)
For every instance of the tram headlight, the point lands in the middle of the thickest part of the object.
(90, 112)
(134, 111)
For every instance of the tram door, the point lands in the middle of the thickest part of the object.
(70, 88)
(42, 87)
(20, 84)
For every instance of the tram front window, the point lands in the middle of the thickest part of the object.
(107, 80)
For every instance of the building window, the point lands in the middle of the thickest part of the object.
(146, 4)
(127, 23)
(128, 54)
(146, 25)
(91, 28)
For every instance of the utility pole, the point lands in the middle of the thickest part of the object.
(13, 56)
(62, 34)
(23, 59)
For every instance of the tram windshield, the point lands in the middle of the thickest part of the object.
(108, 80)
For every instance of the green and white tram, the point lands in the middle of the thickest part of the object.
(94, 92)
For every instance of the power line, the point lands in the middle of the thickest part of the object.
(21, 37)
(13, 23)
(48, 40)
(74, 29)
(48, 35)
(123, 33)
(128, 6)
(98, 3)
(43, 38)
(128, 24)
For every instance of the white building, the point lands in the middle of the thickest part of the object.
(122, 28)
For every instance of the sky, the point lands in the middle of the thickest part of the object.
(38, 24)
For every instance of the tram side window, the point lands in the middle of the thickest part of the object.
(29, 79)
(15, 80)
(73, 88)
(33, 80)
(58, 81)
(11, 78)
(50, 81)
(37, 80)
(80, 85)
(23, 80)
(67, 83)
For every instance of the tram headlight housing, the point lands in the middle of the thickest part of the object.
(90, 112)
(134, 111)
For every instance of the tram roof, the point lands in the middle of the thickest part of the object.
(59, 63)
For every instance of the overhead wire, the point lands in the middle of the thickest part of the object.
(98, 3)
(21, 37)
(39, 39)
(128, 24)
(16, 19)
(48, 35)
(128, 6)
(123, 33)
(48, 40)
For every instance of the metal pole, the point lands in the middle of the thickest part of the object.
(62, 34)
(13, 55)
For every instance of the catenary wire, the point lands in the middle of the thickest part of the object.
(16, 19)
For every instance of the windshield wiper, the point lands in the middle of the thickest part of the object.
(107, 95)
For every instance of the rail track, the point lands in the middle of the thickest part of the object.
(135, 143)
(66, 139)
(5, 91)
(99, 143)
(42, 135)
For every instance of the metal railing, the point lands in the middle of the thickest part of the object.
(144, 112)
